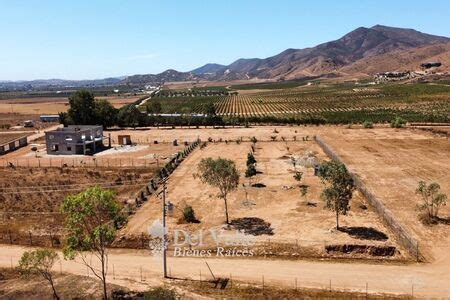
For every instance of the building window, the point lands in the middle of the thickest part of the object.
(68, 137)
(51, 137)
(54, 148)
(69, 148)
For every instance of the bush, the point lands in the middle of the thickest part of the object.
(398, 122)
(368, 124)
(189, 215)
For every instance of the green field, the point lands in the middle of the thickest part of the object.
(338, 103)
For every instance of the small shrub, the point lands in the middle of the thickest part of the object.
(398, 122)
(189, 215)
(368, 124)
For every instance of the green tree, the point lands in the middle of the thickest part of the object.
(209, 109)
(339, 190)
(432, 199)
(91, 220)
(250, 172)
(82, 108)
(41, 262)
(106, 114)
(250, 159)
(219, 173)
(153, 107)
(130, 116)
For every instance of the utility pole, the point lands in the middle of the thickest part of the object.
(164, 227)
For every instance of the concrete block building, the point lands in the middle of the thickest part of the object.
(76, 139)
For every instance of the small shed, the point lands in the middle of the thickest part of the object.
(124, 139)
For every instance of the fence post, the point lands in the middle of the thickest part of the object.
(31, 240)
(10, 236)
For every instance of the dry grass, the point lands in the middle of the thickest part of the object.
(237, 290)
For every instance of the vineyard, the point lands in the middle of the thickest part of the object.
(331, 103)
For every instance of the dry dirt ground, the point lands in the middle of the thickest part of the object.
(68, 286)
(391, 166)
(30, 198)
(301, 226)
(52, 105)
(138, 270)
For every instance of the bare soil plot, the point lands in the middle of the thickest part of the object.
(300, 225)
(52, 105)
(30, 198)
(391, 166)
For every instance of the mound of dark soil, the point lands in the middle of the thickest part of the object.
(361, 249)
(253, 226)
(258, 185)
(365, 233)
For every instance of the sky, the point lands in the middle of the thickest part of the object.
(97, 39)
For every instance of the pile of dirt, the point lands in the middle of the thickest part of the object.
(253, 226)
(361, 249)
(364, 233)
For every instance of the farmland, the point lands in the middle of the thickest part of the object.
(300, 225)
(334, 103)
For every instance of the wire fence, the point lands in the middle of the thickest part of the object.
(145, 268)
(88, 162)
(404, 236)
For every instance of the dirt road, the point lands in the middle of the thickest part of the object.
(126, 267)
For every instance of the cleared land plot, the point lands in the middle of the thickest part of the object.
(30, 198)
(52, 105)
(294, 220)
(392, 165)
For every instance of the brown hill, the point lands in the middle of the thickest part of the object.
(401, 60)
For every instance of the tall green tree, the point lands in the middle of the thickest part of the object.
(251, 160)
(339, 190)
(219, 173)
(82, 108)
(105, 113)
(250, 172)
(130, 116)
(91, 221)
(41, 262)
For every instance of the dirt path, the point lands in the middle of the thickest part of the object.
(427, 280)
(41, 133)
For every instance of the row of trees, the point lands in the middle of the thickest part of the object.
(86, 110)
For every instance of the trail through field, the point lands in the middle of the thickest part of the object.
(427, 280)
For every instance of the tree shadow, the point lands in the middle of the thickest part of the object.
(364, 233)
(445, 221)
(252, 225)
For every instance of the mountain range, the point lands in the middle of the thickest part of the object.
(361, 52)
